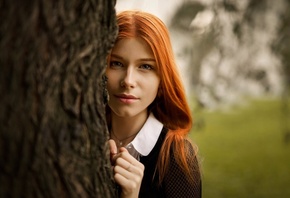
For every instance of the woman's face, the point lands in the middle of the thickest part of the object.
(132, 77)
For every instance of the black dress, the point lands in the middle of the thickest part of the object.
(175, 183)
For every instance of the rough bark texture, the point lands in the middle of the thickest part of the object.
(52, 120)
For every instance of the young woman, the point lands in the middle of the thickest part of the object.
(147, 113)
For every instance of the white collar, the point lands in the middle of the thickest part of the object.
(147, 137)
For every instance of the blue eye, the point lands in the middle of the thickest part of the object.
(115, 64)
(147, 67)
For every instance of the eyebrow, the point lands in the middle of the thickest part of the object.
(141, 59)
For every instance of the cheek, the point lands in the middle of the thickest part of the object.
(154, 88)
(111, 85)
(112, 79)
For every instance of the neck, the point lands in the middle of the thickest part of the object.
(124, 129)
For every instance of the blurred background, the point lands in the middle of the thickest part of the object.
(234, 58)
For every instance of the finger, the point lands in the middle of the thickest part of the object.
(112, 146)
(125, 167)
(113, 150)
(123, 149)
(123, 164)
(127, 180)
(124, 181)
(124, 154)
(115, 156)
(132, 173)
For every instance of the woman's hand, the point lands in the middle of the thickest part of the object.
(128, 172)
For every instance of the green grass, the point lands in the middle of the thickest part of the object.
(243, 153)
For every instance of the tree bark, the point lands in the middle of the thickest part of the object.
(52, 119)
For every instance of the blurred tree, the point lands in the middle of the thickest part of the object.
(52, 120)
(281, 47)
(225, 46)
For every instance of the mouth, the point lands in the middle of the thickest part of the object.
(126, 98)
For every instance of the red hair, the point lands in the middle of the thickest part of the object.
(170, 106)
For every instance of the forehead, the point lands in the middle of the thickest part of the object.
(135, 47)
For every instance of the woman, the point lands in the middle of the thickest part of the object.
(147, 113)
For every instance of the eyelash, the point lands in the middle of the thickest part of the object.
(147, 67)
(115, 64)
(143, 66)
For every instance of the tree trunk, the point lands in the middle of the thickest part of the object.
(52, 119)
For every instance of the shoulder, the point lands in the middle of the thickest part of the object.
(189, 151)
(184, 180)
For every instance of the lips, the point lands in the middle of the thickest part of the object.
(126, 98)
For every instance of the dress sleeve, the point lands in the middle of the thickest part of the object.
(176, 183)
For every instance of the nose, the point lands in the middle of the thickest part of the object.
(128, 80)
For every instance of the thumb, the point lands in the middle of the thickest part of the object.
(113, 150)
(113, 147)
(123, 149)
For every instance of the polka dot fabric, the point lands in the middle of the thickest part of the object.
(176, 183)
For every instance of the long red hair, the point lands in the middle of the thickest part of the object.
(170, 106)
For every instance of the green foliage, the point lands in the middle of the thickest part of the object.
(243, 151)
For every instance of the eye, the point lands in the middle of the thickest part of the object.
(146, 67)
(115, 64)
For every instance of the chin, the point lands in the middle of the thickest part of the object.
(124, 113)
(128, 114)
